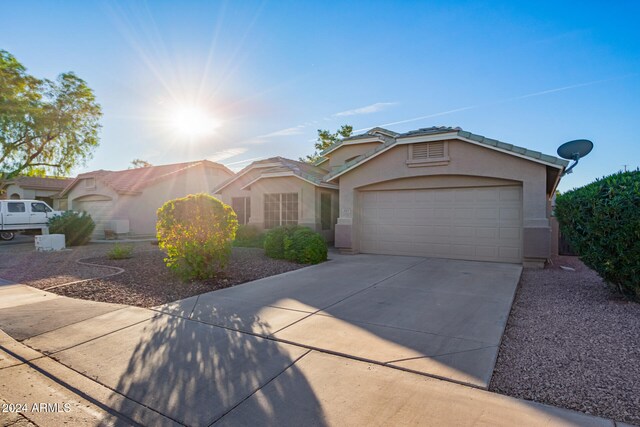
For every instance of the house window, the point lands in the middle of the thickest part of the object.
(280, 209)
(242, 208)
(16, 207)
(325, 211)
(90, 183)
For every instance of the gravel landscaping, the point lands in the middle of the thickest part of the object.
(145, 282)
(571, 342)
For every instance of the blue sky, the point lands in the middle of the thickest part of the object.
(533, 74)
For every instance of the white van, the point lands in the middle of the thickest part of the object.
(19, 215)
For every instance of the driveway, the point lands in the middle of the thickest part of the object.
(438, 317)
(324, 345)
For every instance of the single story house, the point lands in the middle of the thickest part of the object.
(126, 201)
(46, 189)
(434, 192)
(442, 192)
(278, 191)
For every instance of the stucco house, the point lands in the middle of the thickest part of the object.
(442, 192)
(279, 191)
(126, 201)
(46, 189)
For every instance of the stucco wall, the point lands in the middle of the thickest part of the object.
(308, 199)
(79, 191)
(28, 193)
(466, 159)
(140, 209)
(345, 152)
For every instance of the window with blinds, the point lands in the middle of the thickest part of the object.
(280, 209)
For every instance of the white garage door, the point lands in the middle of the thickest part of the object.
(482, 224)
(100, 211)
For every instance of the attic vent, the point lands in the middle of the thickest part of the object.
(428, 150)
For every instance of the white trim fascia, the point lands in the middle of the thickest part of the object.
(555, 185)
(513, 153)
(284, 174)
(454, 135)
(354, 142)
(444, 136)
(426, 138)
(363, 141)
(322, 161)
(234, 178)
(365, 160)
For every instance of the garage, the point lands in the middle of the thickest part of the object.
(483, 223)
(100, 211)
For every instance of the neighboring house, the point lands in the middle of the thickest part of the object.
(127, 200)
(441, 192)
(278, 191)
(46, 189)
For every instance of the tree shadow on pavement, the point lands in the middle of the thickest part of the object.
(195, 373)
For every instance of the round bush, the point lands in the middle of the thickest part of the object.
(196, 232)
(249, 236)
(602, 222)
(274, 240)
(305, 246)
(76, 227)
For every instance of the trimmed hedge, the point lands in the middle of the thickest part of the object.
(249, 236)
(295, 243)
(305, 246)
(602, 223)
(196, 233)
(76, 227)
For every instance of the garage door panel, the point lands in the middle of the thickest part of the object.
(478, 224)
(100, 211)
(510, 234)
(511, 194)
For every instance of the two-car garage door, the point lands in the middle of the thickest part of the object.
(101, 212)
(482, 224)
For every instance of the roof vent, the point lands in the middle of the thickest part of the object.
(428, 150)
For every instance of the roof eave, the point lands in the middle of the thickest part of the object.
(288, 174)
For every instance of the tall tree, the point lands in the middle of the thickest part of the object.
(139, 163)
(46, 126)
(326, 139)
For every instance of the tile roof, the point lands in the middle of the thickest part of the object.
(275, 165)
(42, 183)
(132, 181)
(435, 130)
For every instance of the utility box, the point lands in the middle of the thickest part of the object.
(50, 242)
(119, 226)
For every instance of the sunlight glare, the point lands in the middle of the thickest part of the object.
(192, 121)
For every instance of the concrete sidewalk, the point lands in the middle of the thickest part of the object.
(126, 365)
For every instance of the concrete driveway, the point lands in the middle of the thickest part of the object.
(324, 345)
(439, 317)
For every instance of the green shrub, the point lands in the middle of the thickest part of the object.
(295, 243)
(274, 240)
(305, 246)
(249, 236)
(196, 232)
(120, 252)
(602, 223)
(76, 227)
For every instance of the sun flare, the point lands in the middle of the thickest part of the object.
(192, 121)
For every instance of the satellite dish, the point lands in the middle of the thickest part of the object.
(574, 150)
